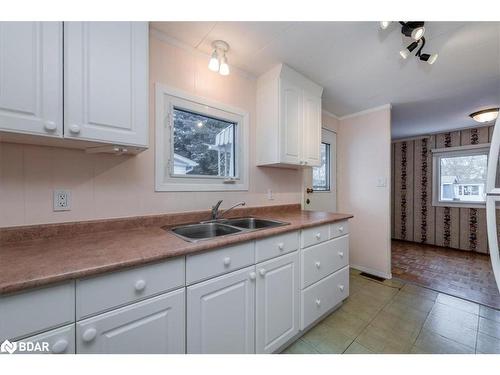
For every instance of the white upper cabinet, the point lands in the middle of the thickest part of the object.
(31, 78)
(288, 119)
(106, 82)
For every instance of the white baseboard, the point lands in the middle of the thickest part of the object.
(372, 271)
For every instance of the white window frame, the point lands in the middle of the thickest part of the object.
(437, 154)
(166, 99)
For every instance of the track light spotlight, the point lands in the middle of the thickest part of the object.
(431, 59)
(406, 52)
(413, 29)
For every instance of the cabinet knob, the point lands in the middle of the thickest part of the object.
(305, 162)
(318, 236)
(60, 346)
(341, 287)
(89, 335)
(262, 272)
(227, 261)
(341, 229)
(317, 264)
(140, 285)
(75, 129)
(49, 126)
(341, 254)
(281, 246)
(252, 275)
(318, 302)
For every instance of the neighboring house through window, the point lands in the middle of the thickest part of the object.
(459, 175)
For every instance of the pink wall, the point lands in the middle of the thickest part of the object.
(364, 156)
(107, 186)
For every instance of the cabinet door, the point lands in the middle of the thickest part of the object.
(277, 302)
(31, 77)
(56, 341)
(153, 326)
(290, 122)
(311, 133)
(106, 82)
(221, 313)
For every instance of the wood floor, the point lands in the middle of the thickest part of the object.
(459, 273)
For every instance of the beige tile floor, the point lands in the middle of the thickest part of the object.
(398, 317)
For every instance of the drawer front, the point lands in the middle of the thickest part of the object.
(105, 292)
(319, 298)
(315, 235)
(217, 262)
(154, 326)
(275, 246)
(57, 341)
(35, 311)
(321, 260)
(339, 229)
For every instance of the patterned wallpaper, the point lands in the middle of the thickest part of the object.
(413, 216)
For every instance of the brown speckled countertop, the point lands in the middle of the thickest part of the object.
(44, 259)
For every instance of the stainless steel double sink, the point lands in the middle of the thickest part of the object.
(223, 227)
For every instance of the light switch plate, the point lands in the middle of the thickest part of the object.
(62, 200)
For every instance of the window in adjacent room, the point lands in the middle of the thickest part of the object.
(459, 176)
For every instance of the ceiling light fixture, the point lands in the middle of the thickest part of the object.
(406, 52)
(431, 59)
(486, 115)
(218, 59)
(384, 24)
(414, 30)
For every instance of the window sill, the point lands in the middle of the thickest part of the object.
(200, 187)
(460, 205)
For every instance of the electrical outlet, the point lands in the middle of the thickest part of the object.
(270, 194)
(62, 200)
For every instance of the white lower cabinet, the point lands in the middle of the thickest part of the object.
(277, 302)
(221, 314)
(57, 341)
(156, 325)
(323, 296)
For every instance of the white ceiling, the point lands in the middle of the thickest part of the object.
(359, 65)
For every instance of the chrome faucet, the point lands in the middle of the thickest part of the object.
(215, 209)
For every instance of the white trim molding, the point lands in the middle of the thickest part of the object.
(166, 98)
(366, 111)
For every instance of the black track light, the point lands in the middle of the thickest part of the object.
(431, 59)
(406, 52)
(413, 29)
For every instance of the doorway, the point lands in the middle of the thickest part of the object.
(319, 183)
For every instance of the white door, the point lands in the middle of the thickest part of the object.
(31, 78)
(221, 314)
(106, 81)
(60, 341)
(319, 183)
(493, 201)
(291, 119)
(311, 131)
(277, 302)
(156, 326)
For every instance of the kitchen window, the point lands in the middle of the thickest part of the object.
(459, 176)
(201, 145)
